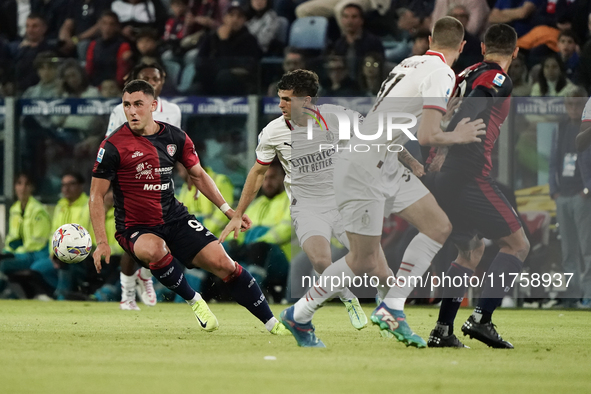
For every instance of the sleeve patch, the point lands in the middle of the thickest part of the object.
(101, 154)
(499, 79)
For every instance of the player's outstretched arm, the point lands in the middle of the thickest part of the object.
(465, 132)
(98, 188)
(415, 166)
(208, 188)
(253, 183)
(583, 140)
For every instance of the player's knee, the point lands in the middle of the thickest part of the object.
(320, 263)
(523, 247)
(150, 254)
(440, 231)
(517, 244)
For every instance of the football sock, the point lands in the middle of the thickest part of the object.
(271, 323)
(169, 272)
(344, 295)
(145, 273)
(494, 290)
(246, 291)
(194, 300)
(127, 287)
(481, 316)
(417, 258)
(324, 290)
(453, 295)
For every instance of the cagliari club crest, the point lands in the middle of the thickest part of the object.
(171, 149)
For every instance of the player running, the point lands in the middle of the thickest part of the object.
(308, 173)
(141, 280)
(152, 226)
(371, 185)
(473, 202)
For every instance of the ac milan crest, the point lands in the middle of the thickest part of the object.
(171, 149)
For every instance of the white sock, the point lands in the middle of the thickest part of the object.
(324, 290)
(127, 287)
(417, 258)
(145, 273)
(196, 298)
(345, 295)
(271, 323)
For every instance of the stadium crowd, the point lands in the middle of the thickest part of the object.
(87, 48)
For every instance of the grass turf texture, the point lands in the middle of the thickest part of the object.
(81, 347)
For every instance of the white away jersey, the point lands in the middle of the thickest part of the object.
(308, 163)
(587, 112)
(166, 112)
(417, 82)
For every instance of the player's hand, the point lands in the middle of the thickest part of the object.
(468, 132)
(234, 226)
(102, 250)
(452, 105)
(246, 223)
(418, 169)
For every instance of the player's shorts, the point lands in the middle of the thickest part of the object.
(364, 201)
(308, 223)
(184, 237)
(475, 207)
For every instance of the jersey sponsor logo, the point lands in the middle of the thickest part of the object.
(144, 169)
(101, 154)
(156, 187)
(171, 149)
(134, 234)
(137, 153)
(499, 79)
(163, 170)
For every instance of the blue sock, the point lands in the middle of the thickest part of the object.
(245, 291)
(170, 272)
(453, 296)
(492, 294)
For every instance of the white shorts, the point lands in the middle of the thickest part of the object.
(326, 224)
(364, 201)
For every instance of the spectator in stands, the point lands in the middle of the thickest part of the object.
(86, 133)
(262, 23)
(293, 59)
(27, 50)
(583, 71)
(204, 16)
(228, 58)
(372, 74)
(136, 14)
(570, 182)
(29, 228)
(472, 52)
(53, 14)
(420, 42)
(48, 87)
(339, 83)
(265, 250)
(175, 28)
(552, 80)
(108, 57)
(355, 41)
(568, 49)
(334, 8)
(517, 13)
(478, 11)
(519, 76)
(81, 24)
(71, 208)
(110, 89)
(147, 47)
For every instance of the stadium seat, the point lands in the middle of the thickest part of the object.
(283, 31)
(309, 33)
(173, 70)
(187, 77)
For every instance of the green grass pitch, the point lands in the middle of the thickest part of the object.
(81, 347)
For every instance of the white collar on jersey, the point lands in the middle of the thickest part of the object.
(159, 105)
(435, 53)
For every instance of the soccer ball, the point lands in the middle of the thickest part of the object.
(71, 243)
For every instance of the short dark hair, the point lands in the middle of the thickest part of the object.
(569, 33)
(36, 15)
(142, 66)
(353, 5)
(25, 175)
(138, 85)
(147, 32)
(182, 2)
(448, 32)
(302, 82)
(500, 39)
(49, 58)
(110, 14)
(421, 34)
(74, 174)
